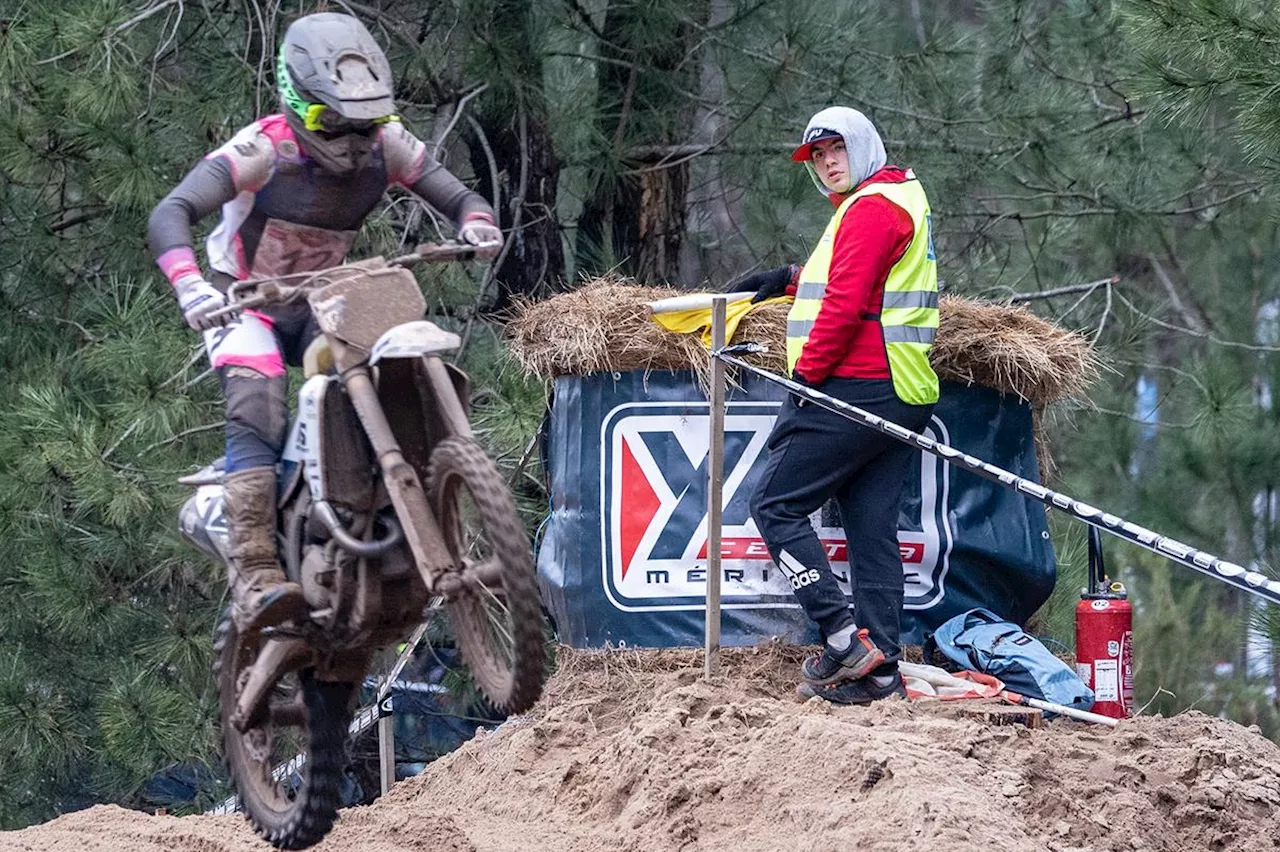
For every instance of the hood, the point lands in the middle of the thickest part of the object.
(861, 141)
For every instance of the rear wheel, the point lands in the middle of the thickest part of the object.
(286, 768)
(496, 615)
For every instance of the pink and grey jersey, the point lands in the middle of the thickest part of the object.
(282, 213)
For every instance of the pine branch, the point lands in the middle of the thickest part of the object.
(1191, 332)
(1062, 291)
(457, 114)
(185, 433)
(149, 12)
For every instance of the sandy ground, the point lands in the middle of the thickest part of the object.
(634, 751)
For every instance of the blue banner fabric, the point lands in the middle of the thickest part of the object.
(622, 557)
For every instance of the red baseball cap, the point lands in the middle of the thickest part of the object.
(804, 153)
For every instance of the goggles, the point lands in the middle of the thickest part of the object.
(320, 118)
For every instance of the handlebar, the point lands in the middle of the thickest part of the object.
(440, 252)
(258, 292)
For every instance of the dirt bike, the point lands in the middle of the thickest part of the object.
(387, 508)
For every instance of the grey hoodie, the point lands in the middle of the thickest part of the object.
(861, 141)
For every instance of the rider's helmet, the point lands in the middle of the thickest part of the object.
(335, 85)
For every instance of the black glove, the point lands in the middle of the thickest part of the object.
(801, 400)
(767, 284)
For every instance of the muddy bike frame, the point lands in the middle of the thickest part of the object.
(418, 524)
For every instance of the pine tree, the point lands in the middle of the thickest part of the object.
(106, 617)
(634, 213)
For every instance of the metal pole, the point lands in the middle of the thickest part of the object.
(715, 501)
(1050, 707)
(1206, 563)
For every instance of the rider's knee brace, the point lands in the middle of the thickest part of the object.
(257, 417)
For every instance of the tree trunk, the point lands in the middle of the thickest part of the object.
(715, 247)
(634, 218)
(528, 179)
(512, 126)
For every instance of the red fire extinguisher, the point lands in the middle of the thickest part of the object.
(1104, 638)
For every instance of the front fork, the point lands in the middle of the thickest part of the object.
(421, 529)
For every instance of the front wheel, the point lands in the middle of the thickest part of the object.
(287, 767)
(496, 615)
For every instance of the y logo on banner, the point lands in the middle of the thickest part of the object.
(688, 483)
(654, 525)
(654, 492)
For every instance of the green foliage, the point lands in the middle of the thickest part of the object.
(1185, 635)
(106, 617)
(1056, 620)
(1207, 57)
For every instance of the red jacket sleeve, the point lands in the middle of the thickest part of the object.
(872, 237)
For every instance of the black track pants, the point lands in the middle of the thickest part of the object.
(814, 455)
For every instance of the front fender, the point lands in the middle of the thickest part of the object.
(414, 340)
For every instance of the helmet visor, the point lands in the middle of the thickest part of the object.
(321, 118)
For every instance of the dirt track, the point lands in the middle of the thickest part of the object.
(637, 753)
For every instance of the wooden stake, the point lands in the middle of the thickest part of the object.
(386, 744)
(385, 706)
(715, 502)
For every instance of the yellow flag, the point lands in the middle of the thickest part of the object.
(699, 319)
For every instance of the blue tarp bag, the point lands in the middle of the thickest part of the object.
(979, 640)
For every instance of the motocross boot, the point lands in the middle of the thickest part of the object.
(260, 594)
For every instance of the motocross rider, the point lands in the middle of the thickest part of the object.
(293, 189)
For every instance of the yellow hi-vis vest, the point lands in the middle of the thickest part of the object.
(909, 312)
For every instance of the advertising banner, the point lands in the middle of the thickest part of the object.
(622, 558)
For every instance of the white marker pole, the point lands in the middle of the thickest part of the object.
(715, 490)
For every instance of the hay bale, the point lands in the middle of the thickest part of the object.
(1012, 350)
(604, 326)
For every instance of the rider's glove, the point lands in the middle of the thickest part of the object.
(769, 283)
(480, 231)
(198, 299)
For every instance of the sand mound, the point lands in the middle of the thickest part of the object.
(107, 828)
(638, 756)
(633, 751)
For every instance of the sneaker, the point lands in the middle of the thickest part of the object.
(862, 691)
(833, 666)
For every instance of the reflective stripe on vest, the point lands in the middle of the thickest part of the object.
(909, 334)
(908, 314)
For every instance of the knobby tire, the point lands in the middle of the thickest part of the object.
(512, 685)
(314, 806)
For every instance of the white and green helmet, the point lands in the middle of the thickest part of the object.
(332, 74)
